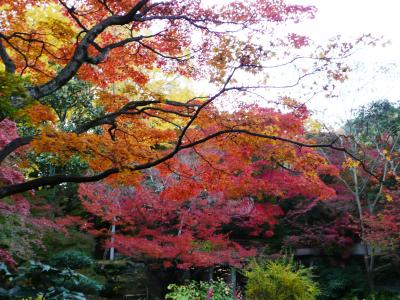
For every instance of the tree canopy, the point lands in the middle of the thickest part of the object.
(176, 133)
(141, 61)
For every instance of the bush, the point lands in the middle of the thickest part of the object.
(82, 284)
(199, 290)
(376, 296)
(71, 259)
(280, 280)
(122, 277)
(40, 280)
(342, 282)
(55, 242)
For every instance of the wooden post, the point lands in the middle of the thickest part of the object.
(210, 274)
(112, 249)
(233, 282)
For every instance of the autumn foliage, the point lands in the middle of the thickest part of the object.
(130, 51)
(154, 103)
(179, 213)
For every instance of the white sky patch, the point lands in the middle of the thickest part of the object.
(376, 71)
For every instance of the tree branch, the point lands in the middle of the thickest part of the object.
(80, 55)
(8, 62)
(14, 145)
(54, 180)
(51, 181)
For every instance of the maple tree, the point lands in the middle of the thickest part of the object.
(153, 102)
(366, 198)
(176, 234)
(162, 220)
(137, 47)
(328, 226)
(110, 88)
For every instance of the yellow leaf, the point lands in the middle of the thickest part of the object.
(350, 163)
(389, 198)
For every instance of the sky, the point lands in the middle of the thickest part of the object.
(375, 70)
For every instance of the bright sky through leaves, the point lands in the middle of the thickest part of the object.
(376, 71)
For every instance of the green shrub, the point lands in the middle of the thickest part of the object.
(198, 290)
(71, 259)
(39, 280)
(55, 242)
(280, 280)
(19, 237)
(12, 94)
(342, 282)
(376, 296)
(82, 284)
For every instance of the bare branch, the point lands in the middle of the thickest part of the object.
(178, 58)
